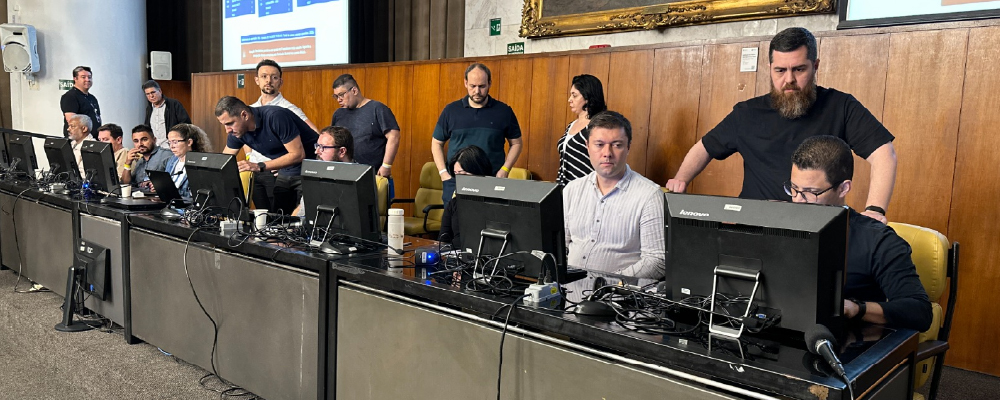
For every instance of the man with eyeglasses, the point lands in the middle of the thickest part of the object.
(79, 100)
(882, 284)
(269, 79)
(765, 130)
(374, 127)
(162, 112)
(276, 133)
(335, 143)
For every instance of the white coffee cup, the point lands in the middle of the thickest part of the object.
(259, 218)
(126, 191)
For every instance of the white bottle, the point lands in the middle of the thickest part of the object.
(395, 231)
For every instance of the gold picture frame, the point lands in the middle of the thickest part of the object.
(667, 14)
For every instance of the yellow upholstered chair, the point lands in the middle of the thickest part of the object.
(247, 178)
(936, 262)
(427, 204)
(519, 173)
(382, 193)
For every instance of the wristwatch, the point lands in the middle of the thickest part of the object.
(262, 167)
(877, 209)
(862, 308)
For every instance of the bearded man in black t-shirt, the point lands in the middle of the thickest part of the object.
(765, 130)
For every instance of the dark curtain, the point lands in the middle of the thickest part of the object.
(426, 29)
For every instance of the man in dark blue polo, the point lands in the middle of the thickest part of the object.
(276, 133)
(78, 100)
(476, 119)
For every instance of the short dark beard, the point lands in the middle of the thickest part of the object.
(795, 104)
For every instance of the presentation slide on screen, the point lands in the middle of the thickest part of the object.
(290, 32)
(872, 9)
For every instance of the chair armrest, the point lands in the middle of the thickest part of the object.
(398, 200)
(433, 207)
(930, 349)
(427, 212)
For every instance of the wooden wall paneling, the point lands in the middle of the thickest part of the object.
(397, 98)
(974, 214)
(857, 65)
(596, 64)
(453, 81)
(923, 99)
(764, 68)
(549, 87)
(513, 86)
(628, 90)
(673, 121)
(425, 108)
(309, 91)
(376, 83)
(179, 90)
(723, 85)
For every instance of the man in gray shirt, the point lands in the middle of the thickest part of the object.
(614, 216)
(374, 127)
(145, 156)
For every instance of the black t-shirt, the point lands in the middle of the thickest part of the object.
(276, 126)
(879, 269)
(489, 127)
(766, 140)
(368, 125)
(75, 101)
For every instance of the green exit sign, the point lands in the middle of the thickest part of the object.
(65, 84)
(240, 81)
(515, 48)
(495, 27)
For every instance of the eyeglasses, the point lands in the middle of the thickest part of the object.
(175, 142)
(341, 95)
(320, 147)
(808, 196)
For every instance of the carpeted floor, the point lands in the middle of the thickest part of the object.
(38, 362)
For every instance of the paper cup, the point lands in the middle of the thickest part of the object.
(126, 191)
(259, 218)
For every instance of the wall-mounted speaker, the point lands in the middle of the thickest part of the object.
(160, 65)
(20, 48)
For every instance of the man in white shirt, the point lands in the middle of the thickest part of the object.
(269, 80)
(614, 216)
(79, 130)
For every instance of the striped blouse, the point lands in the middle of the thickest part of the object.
(574, 160)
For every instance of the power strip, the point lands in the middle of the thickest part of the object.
(228, 225)
(542, 295)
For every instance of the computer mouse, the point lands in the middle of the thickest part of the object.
(336, 248)
(170, 214)
(595, 308)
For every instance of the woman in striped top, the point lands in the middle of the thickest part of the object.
(586, 98)
(184, 138)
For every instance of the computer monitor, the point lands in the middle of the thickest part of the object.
(214, 180)
(59, 152)
(21, 151)
(798, 249)
(513, 215)
(345, 191)
(99, 163)
(94, 261)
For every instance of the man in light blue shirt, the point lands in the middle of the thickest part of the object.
(614, 216)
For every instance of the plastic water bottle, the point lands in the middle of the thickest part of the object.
(395, 231)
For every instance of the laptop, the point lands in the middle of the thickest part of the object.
(163, 183)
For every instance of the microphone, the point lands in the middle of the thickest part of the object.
(820, 341)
